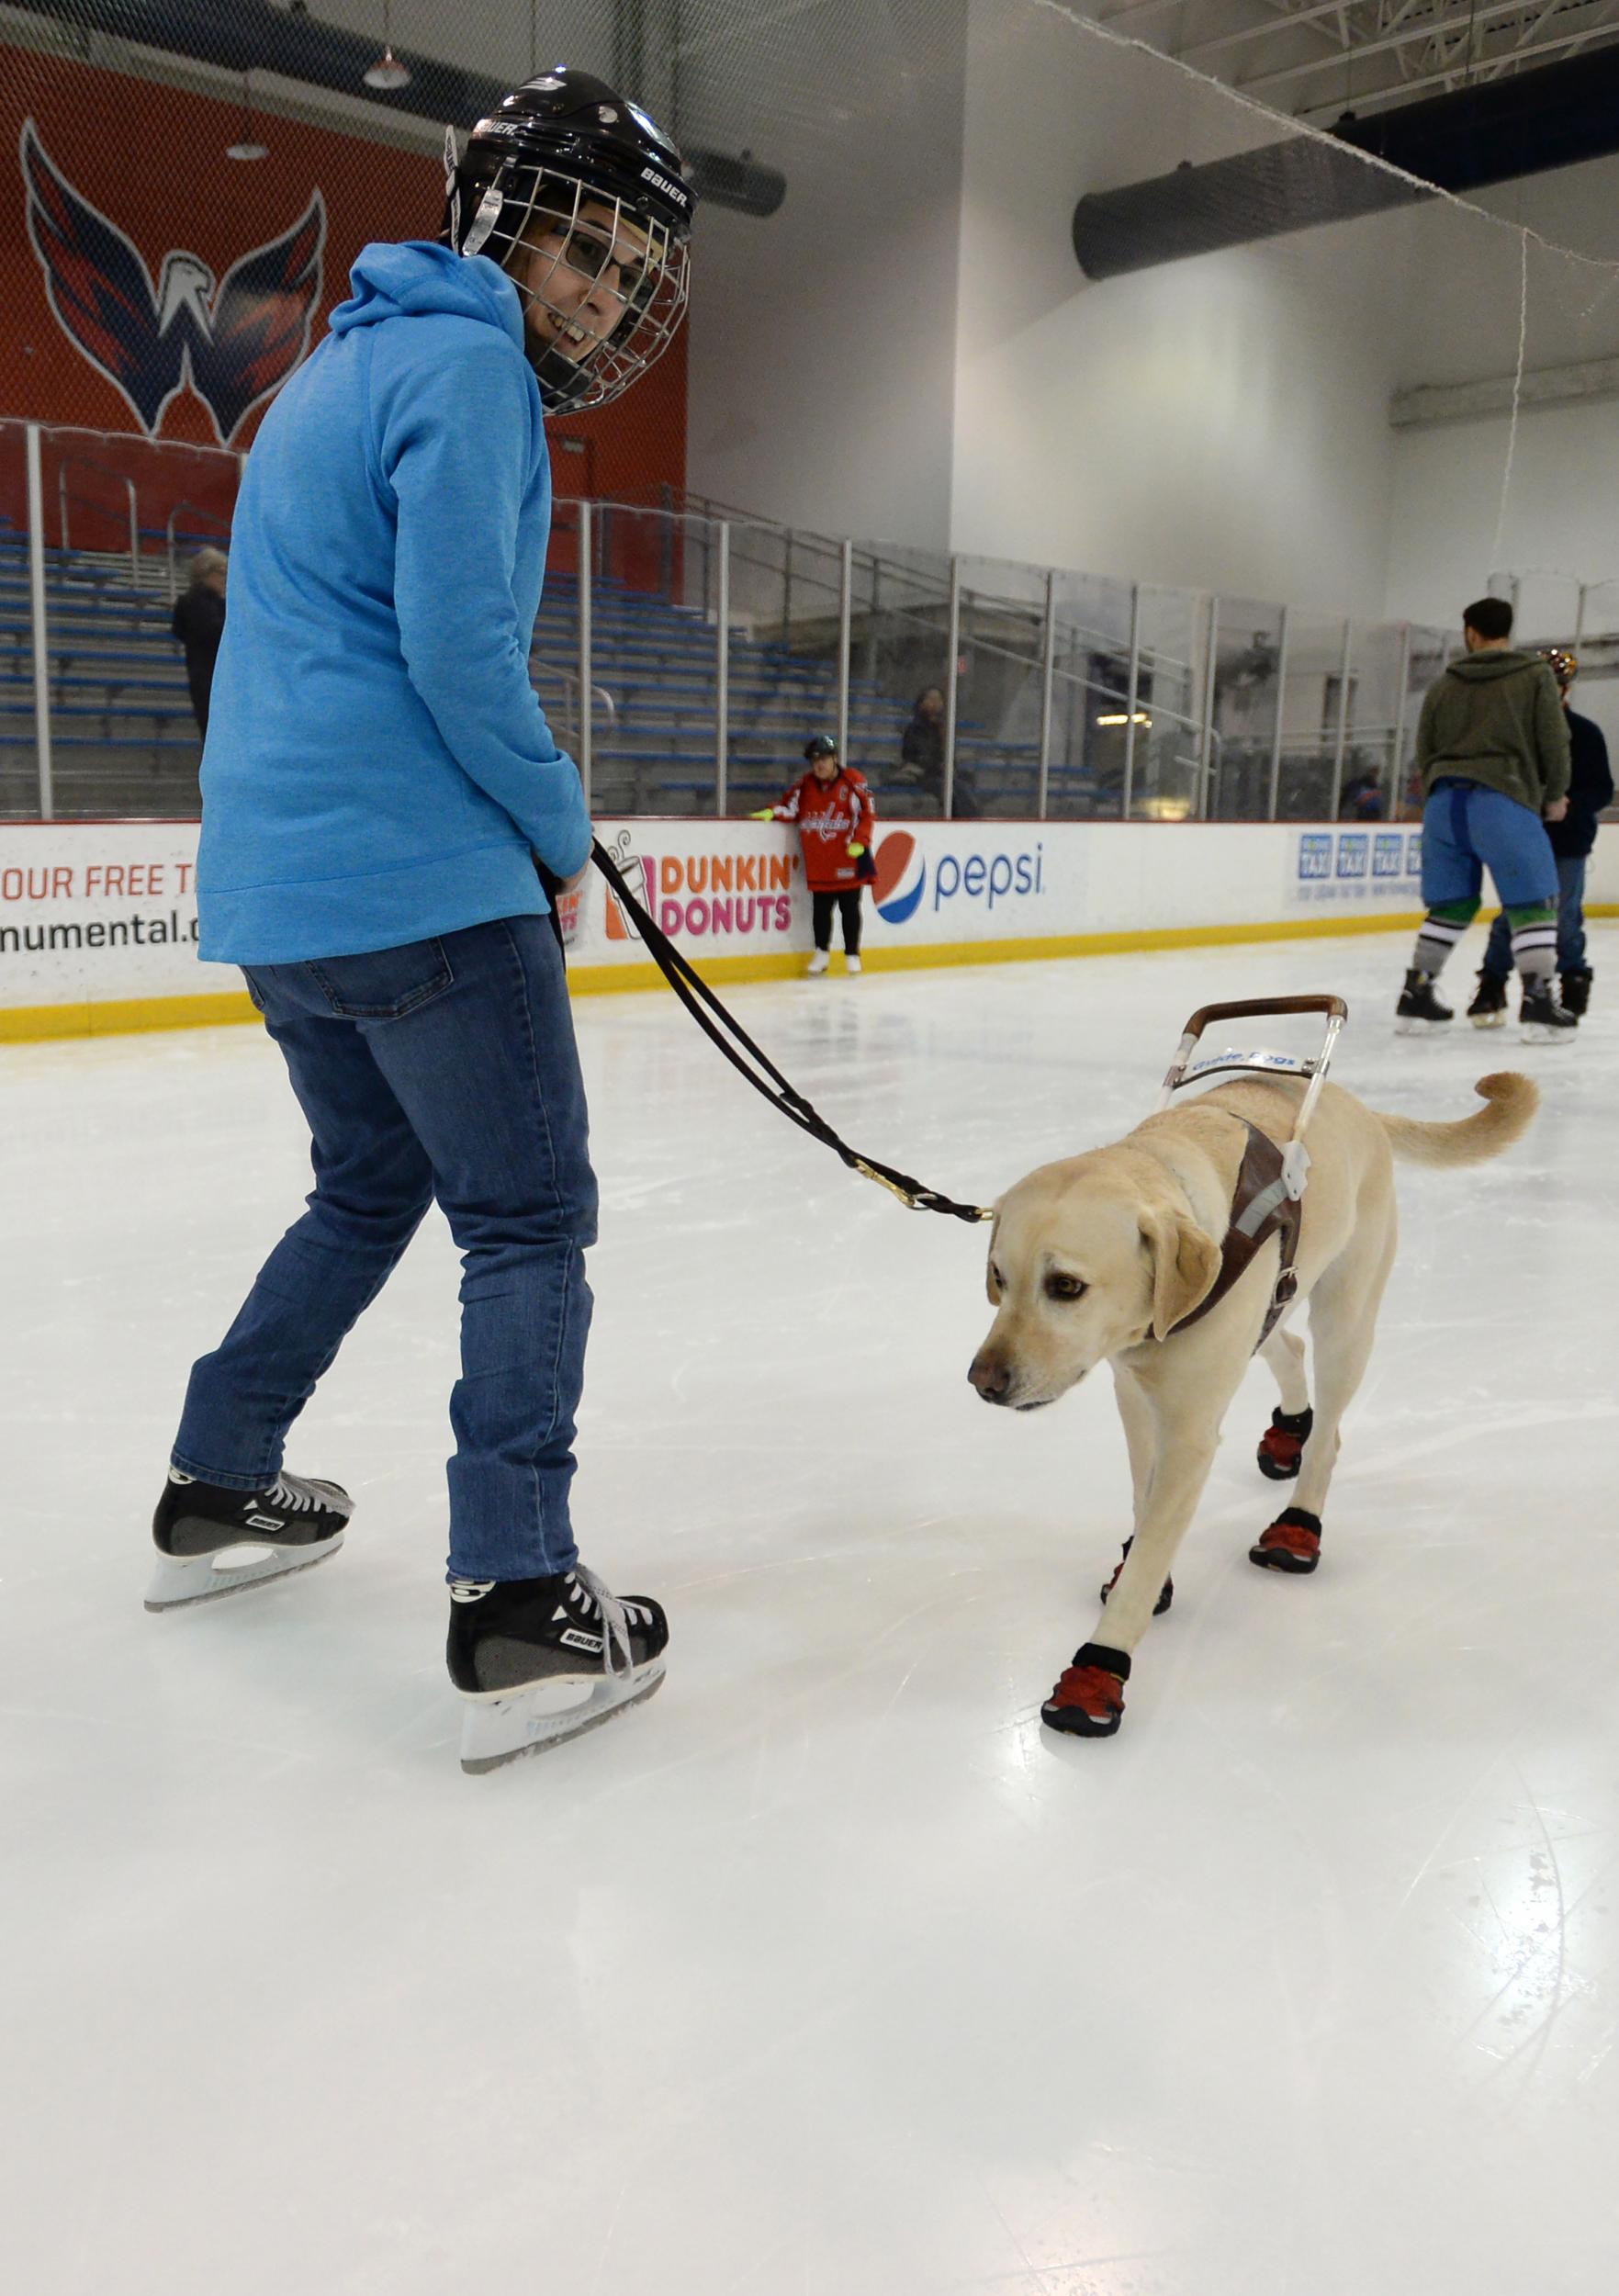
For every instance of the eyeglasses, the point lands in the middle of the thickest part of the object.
(589, 250)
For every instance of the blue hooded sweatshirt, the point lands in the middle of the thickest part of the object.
(377, 768)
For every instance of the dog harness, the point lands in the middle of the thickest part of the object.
(1262, 1205)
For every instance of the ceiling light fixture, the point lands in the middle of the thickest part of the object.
(387, 72)
(247, 145)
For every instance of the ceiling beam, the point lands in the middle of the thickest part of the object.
(1425, 405)
(1403, 88)
(1391, 40)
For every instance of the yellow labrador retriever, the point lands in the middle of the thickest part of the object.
(1107, 1258)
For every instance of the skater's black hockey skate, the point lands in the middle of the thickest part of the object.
(1489, 1007)
(1419, 1008)
(1576, 987)
(543, 1660)
(1544, 1020)
(211, 1541)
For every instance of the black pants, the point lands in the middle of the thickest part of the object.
(850, 906)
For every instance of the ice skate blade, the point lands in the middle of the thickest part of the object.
(1405, 1025)
(179, 1581)
(495, 1731)
(1488, 1019)
(1537, 1032)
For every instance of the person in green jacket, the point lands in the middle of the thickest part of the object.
(1493, 752)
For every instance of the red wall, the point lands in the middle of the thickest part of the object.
(151, 158)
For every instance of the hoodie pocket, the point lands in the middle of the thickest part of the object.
(386, 984)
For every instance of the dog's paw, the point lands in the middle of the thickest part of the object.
(1165, 1592)
(1088, 1700)
(1293, 1543)
(1281, 1446)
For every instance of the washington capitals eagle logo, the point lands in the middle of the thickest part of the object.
(234, 343)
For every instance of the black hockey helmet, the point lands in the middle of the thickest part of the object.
(564, 143)
(823, 746)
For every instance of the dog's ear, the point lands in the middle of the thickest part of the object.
(1186, 1261)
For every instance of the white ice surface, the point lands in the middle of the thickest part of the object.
(828, 1973)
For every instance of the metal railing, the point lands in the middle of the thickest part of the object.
(568, 718)
(1147, 671)
(707, 642)
(119, 477)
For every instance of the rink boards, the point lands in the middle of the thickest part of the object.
(99, 919)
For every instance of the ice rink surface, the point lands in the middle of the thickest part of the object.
(828, 1973)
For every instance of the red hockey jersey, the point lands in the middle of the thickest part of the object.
(831, 816)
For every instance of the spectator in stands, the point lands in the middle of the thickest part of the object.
(199, 624)
(921, 748)
(921, 752)
(1590, 788)
(836, 818)
(1362, 799)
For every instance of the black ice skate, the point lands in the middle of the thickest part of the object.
(1544, 1020)
(212, 1541)
(1489, 1007)
(1419, 1008)
(543, 1660)
(1576, 988)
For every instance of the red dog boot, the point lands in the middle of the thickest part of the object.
(1165, 1592)
(1088, 1700)
(1292, 1543)
(1281, 1446)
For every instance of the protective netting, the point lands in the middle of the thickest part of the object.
(1180, 528)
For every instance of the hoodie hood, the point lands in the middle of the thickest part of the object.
(1483, 667)
(416, 278)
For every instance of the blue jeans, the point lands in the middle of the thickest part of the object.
(447, 1069)
(1465, 827)
(1498, 956)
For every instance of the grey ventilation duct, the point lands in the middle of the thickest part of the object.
(1523, 125)
(250, 35)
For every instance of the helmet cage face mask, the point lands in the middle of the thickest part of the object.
(523, 204)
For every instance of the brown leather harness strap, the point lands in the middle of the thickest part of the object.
(1261, 1208)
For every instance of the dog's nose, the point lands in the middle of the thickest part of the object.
(991, 1377)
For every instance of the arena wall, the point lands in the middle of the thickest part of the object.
(1220, 424)
(99, 919)
(358, 190)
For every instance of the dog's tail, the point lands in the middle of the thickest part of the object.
(1510, 1101)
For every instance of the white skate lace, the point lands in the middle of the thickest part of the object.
(297, 1494)
(617, 1618)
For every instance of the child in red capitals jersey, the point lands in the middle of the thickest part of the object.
(836, 818)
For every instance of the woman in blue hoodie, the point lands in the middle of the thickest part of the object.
(378, 786)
